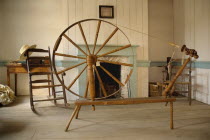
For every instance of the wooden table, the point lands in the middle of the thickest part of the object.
(15, 68)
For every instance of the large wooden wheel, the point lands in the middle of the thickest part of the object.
(92, 56)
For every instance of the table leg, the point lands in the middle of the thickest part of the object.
(8, 78)
(15, 84)
(171, 115)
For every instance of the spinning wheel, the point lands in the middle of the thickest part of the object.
(91, 58)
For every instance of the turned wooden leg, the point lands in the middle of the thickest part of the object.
(171, 115)
(93, 107)
(15, 84)
(8, 77)
(72, 116)
(189, 94)
(76, 117)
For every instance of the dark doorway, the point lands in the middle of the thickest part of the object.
(110, 85)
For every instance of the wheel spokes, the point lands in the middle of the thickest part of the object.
(94, 53)
(117, 63)
(110, 36)
(114, 78)
(100, 81)
(129, 75)
(84, 38)
(96, 36)
(67, 55)
(75, 79)
(116, 50)
(70, 68)
(74, 44)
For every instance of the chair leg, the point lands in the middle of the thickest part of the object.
(64, 92)
(31, 95)
(77, 115)
(166, 102)
(72, 116)
(189, 95)
(53, 90)
(48, 77)
(171, 116)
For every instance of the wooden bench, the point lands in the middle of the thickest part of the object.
(127, 101)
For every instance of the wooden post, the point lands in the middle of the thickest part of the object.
(8, 77)
(171, 115)
(15, 84)
(190, 85)
(175, 77)
(77, 114)
(90, 62)
(72, 116)
(48, 78)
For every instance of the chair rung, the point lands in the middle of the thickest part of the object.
(45, 86)
(41, 81)
(39, 57)
(40, 73)
(182, 83)
(181, 91)
(58, 91)
(37, 50)
(58, 98)
(181, 74)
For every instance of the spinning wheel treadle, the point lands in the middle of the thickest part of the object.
(90, 57)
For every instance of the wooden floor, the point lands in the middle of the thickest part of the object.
(119, 122)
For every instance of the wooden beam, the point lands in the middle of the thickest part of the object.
(67, 55)
(107, 40)
(84, 38)
(70, 68)
(179, 72)
(96, 36)
(100, 81)
(117, 63)
(75, 79)
(114, 78)
(74, 44)
(124, 101)
(116, 50)
(129, 75)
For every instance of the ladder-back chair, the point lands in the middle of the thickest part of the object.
(41, 65)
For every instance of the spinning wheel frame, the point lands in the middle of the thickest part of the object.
(91, 58)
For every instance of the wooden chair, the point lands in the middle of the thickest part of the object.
(41, 65)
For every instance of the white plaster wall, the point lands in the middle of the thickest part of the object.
(29, 22)
(201, 91)
(193, 18)
(202, 45)
(1, 21)
(40, 22)
(160, 29)
(160, 33)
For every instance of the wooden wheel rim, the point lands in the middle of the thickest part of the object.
(57, 45)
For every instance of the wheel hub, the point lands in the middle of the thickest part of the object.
(91, 59)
